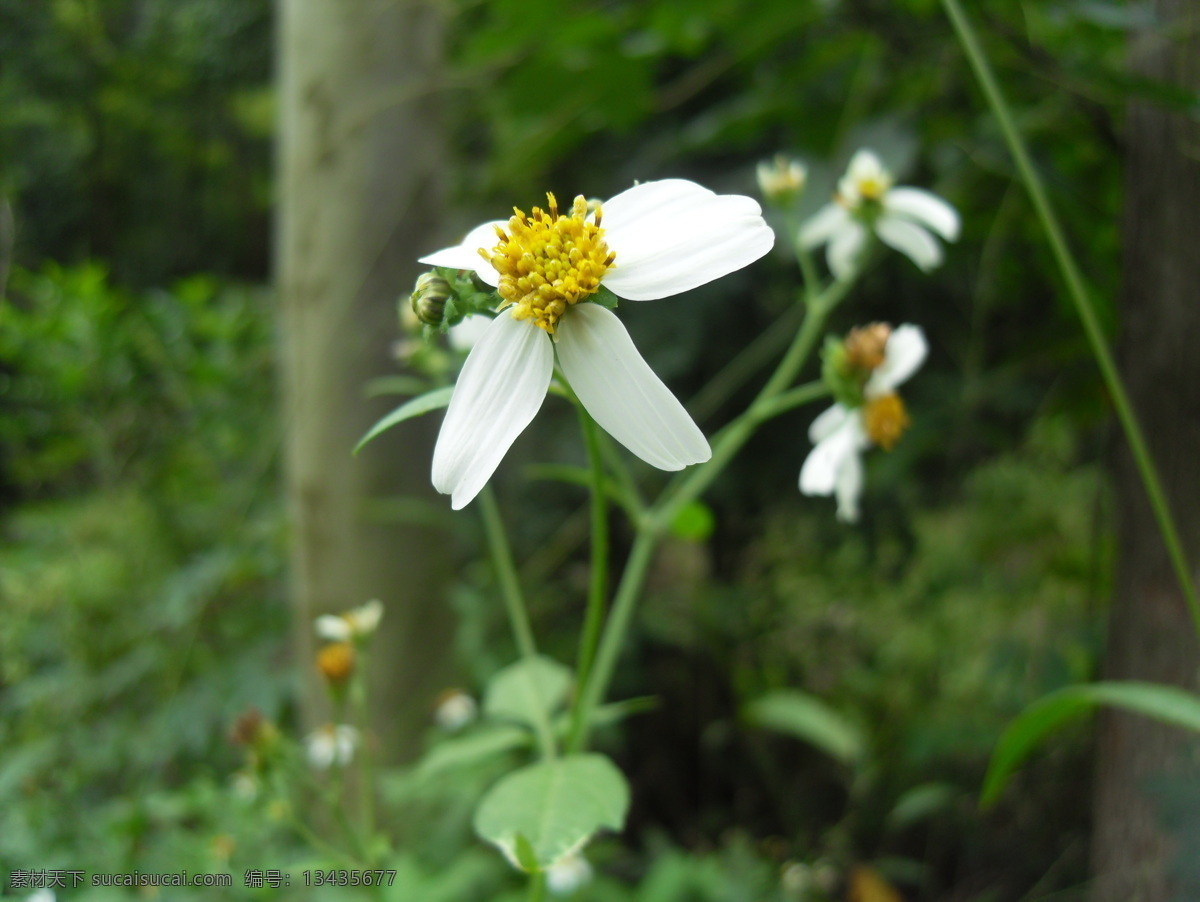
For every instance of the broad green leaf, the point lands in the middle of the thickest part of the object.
(1168, 704)
(521, 690)
(414, 407)
(462, 750)
(542, 812)
(806, 717)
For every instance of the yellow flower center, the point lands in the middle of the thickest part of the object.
(547, 261)
(873, 188)
(885, 419)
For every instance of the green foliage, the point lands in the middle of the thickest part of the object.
(805, 717)
(546, 810)
(414, 407)
(1168, 704)
(528, 690)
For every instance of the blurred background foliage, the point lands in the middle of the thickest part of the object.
(142, 559)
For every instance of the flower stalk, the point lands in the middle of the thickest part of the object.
(1083, 303)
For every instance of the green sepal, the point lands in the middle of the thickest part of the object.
(605, 298)
(835, 373)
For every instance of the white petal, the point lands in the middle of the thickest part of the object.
(909, 239)
(621, 392)
(334, 628)
(825, 223)
(849, 488)
(828, 422)
(500, 389)
(673, 235)
(824, 463)
(923, 208)
(466, 255)
(903, 355)
(845, 249)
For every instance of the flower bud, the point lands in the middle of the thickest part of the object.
(429, 298)
(781, 180)
(336, 662)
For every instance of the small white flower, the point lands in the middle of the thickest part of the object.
(781, 179)
(841, 433)
(658, 239)
(357, 623)
(464, 336)
(568, 874)
(332, 744)
(867, 201)
(455, 709)
(246, 785)
(42, 895)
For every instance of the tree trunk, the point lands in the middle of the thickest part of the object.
(1151, 635)
(359, 157)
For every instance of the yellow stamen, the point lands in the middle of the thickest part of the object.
(885, 419)
(548, 261)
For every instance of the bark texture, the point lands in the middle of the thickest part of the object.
(1151, 635)
(358, 162)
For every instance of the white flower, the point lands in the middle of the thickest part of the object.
(331, 744)
(842, 433)
(781, 179)
(356, 623)
(658, 239)
(455, 709)
(866, 201)
(464, 336)
(568, 874)
(42, 895)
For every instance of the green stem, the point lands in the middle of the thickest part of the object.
(514, 603)
(537, 886)
(614, 634)
(738, 371)
(768, 402)
(366, 771)
(598, 585)
(1083, 304)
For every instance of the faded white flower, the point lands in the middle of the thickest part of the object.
(841, 433)
(568, 874)
(455, 709)
(357, 623)
(658, 239)
(332, 744)
(866, 202)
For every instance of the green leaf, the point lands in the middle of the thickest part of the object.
(477, 746)
(520, 690)
(431, 400)
(919, 803)
(695, 522)
(806, 717)
(1168, 704)
(540, 813)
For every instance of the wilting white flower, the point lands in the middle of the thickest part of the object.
(455, 709)
(841, 433)
(866, 201)
(568, 874)
(658, 239)
(331, 744)
(357, 623)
